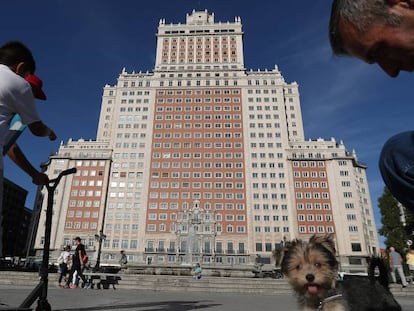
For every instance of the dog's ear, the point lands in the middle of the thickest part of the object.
(283, 257)
(326, 241)
(279, 253)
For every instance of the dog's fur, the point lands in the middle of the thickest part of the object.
(312, 270)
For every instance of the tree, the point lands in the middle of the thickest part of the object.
(395, 231)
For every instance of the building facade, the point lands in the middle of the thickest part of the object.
(16, 228)
(202, 135)
(331, 196)
(79, 200)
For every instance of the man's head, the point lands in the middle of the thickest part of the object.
(375, 31)
(18, 57)
(392, 249)
(78, 240)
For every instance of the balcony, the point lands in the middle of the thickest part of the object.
(158, 250)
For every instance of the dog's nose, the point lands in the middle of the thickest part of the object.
(310, 277)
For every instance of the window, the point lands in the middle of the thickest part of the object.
(356, 247)
(355, 261)
(353, 229)
(124, 244)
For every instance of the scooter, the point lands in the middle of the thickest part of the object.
(40, 291)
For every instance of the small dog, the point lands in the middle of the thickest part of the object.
(312, 270)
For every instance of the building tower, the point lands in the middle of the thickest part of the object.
(193, 119)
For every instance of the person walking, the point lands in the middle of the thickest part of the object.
(78, 264)
(197, 271)
(123, 260)
(381, 32)
(395, 261)
(16, 97)
(410, 262)
(63, 261)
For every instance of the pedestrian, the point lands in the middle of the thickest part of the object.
(16, 97)
(410, 262)
(382, 32)
(197, 271)
(79, 260)
(396, 261)
(63, 261)
(124, 259)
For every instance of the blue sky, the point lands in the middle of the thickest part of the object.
(82, 45)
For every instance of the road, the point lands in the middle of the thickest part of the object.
(139, 300)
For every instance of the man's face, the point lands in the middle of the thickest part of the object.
(391, 47)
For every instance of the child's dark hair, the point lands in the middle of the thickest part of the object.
(15, 52)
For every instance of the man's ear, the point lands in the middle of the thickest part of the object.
(21, 69)
(405, 3)
(410, 3)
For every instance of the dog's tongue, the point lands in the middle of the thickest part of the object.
(313, 289)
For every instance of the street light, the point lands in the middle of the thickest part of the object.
(99, 237)
(283, 242)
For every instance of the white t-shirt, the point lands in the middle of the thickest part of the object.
(16, 96)
(65, 255)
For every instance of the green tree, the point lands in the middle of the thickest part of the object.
(396, 233)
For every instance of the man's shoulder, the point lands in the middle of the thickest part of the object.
(9, 78)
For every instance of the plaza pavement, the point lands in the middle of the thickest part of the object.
(142, 300)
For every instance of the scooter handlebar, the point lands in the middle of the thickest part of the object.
(63, 173)
(68, 171)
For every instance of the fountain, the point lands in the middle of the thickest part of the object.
(191, 236)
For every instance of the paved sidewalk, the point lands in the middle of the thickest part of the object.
(139, 300)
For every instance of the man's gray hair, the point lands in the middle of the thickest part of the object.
(361, 14)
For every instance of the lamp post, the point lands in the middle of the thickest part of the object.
(213, 247)
(99, 237)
